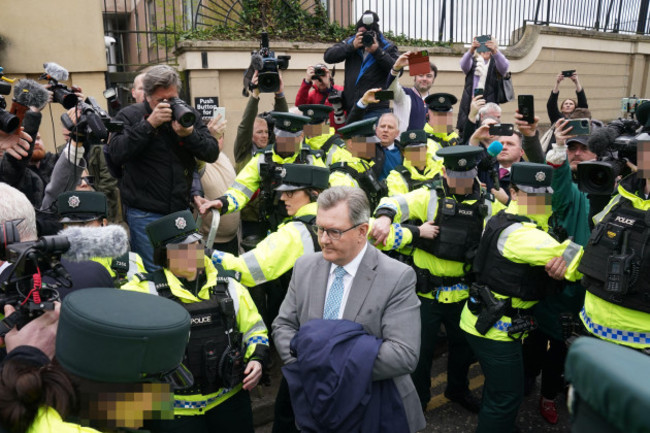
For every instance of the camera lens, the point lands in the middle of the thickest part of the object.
(182, 113)
(8, 122)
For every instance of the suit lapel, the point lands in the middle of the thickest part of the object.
(361, 284)
(318, 288)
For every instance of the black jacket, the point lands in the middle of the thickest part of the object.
(489, 92)
(375, 74)
(157, 164)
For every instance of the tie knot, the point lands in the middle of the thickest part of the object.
(339, 271)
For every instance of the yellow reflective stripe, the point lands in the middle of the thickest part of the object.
(433, 205)
(254, 267)
(600, 215)
(503, 237)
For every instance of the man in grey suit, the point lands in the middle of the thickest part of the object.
(352, 280)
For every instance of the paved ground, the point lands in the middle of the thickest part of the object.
(442, 415)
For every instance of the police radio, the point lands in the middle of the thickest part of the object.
(621, 270)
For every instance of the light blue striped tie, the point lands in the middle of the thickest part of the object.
(335, 295)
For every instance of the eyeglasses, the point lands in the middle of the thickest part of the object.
(334, 234)
(90, 180)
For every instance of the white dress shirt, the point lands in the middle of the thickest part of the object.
(350, 271)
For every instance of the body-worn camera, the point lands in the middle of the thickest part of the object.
(368, 38)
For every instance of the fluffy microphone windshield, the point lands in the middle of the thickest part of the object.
(30, 93)
(89, 242)
(57, 72)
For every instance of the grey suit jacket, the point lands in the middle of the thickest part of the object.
(382, 299)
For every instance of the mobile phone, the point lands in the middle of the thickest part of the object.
(419, 63)
(478, 91)
(579, 126)
(220, 110)
(384, 95)
(502, 129)
(527, 108)
(568, 73)
(483, 39)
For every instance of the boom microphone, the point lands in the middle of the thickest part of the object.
(90, 242)
(30, 93)
(601, 139)
(56, 72)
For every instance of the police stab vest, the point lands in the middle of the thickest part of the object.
(412, 184)
(519, 280)
(616, 260)
(461, 226)
(213, 333)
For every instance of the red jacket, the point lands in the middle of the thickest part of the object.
(308, 94)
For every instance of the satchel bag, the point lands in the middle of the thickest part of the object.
(505, 91)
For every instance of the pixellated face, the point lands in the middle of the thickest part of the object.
(185, 260)
(533, 203)
(442, 123)
(416, 155)
(359, 147)
(643, 158)
(287, 145)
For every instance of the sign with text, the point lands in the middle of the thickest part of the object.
(206, 105)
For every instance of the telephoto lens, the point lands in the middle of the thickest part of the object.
(182, 113)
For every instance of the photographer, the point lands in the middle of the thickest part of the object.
(368, 58)
(316, 87)
(568, 105)
(158, 155)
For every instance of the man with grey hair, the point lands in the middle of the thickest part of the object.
(158, 156)
(16, 208)
(351, 280)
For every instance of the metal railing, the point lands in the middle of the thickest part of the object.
(146, 31)
(505, 20)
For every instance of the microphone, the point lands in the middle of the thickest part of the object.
(493, 150)
(601, 139)
(256, 62)
(90, 242)
(56, 72)
(30, 93)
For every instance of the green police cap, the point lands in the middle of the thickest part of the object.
(110, 335)
(440, 101)
(289, 122)
(300, 176)
(461, 161)
(318, 113)
(362, 128)
(81, 206)
(413, 137)
(531, 177)
(176, 228)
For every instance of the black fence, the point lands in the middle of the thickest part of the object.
(145, 31)
(461, 20)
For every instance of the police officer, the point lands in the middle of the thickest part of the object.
(616, 263)
(228, 343)
(263, 171)
(89, 209)
(278, 252)
(439, 124)
(322, 137)
(511, 267)
(420, 165)
(120, 344)
(364, 169)
(456, 210)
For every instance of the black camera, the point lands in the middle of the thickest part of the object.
(368, 38)
(8, 122)
(63, 94)
(182, 113)
(336, 99)
(614, 145)
(29, 258)
(319, 71)
(267, 65)
(92, 122)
